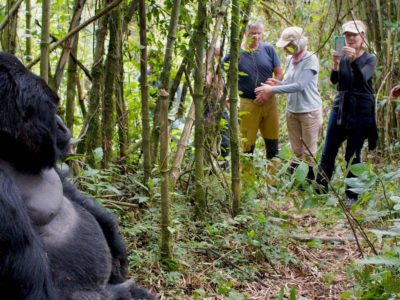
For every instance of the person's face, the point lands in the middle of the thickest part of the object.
(217, 52)
(253, 37)
(290, 49)
(354, 40)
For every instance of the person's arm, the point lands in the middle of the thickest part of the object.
(335, 67)
(334, 76)
(366, 72)
(299, 86)
(278, 73)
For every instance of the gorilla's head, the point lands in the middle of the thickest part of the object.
(28, 120)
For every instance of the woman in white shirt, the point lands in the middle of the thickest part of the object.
(304, 104)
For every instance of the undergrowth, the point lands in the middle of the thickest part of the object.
(221, 257)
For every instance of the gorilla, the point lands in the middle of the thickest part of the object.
(55, 243)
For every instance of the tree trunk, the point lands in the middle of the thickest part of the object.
(214, 89)
(28, 31)
(9, 34)
(128, 15)
(162, 124)
(71, 88)
(69, 44)
(45, 41)
(199, 108)
(233, 96)
(181, 147)
(165, 247)
(101, 13)
(165, 74)
(109, 101)
(144, 88)
(96, 94)
(122, 114)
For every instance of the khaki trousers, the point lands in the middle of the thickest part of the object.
(304, 128)
(254, 117)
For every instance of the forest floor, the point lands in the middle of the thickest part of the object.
(274, 248)
(323, 256)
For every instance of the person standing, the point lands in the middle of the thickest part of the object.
(352, 118)
(304, 104)
(258, 61)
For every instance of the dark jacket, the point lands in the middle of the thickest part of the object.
(357, 111)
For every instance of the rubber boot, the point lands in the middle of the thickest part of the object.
(310, 175)
(292, 168)
(271, 147)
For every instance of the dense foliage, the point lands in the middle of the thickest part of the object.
(286, 241)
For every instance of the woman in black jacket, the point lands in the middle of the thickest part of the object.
(353, 114)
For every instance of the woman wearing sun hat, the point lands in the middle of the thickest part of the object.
(304, 104)
(352, 117)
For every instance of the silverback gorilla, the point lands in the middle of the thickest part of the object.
(54, 242)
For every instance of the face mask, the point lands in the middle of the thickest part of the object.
(290, 49)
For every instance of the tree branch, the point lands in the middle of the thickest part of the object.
(106, 10)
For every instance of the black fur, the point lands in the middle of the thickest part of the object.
(79, 253)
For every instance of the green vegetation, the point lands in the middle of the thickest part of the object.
(281, 241)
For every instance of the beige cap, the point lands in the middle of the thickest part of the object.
(290, 34)
(356, 27)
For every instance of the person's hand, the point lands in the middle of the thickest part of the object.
(263, 93)
(349, 52)
(336, 59)
(227, 103)
(272, 81)
(395, 92)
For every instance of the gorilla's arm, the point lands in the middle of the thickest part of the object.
(24, 272)
(108, 224)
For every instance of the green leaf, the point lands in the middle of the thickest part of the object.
(395, 198)
(301, 171)
(281, 294)
(381, 233)
(380, 261)
(292, 294)
(141, 198)
(391, 175)
(285, 152)
(346, 295)
(98, 154)
(310, 202)
(90, 172)
(358, 169)
(332, 201)
(114, 190)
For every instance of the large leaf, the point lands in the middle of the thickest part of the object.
(358, 169)
(301, 172)
(285, 152)
(379, 233)
(380, 261)
(391, 175)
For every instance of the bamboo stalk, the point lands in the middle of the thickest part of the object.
(233, 97)
(106, 10)
(165, 247)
